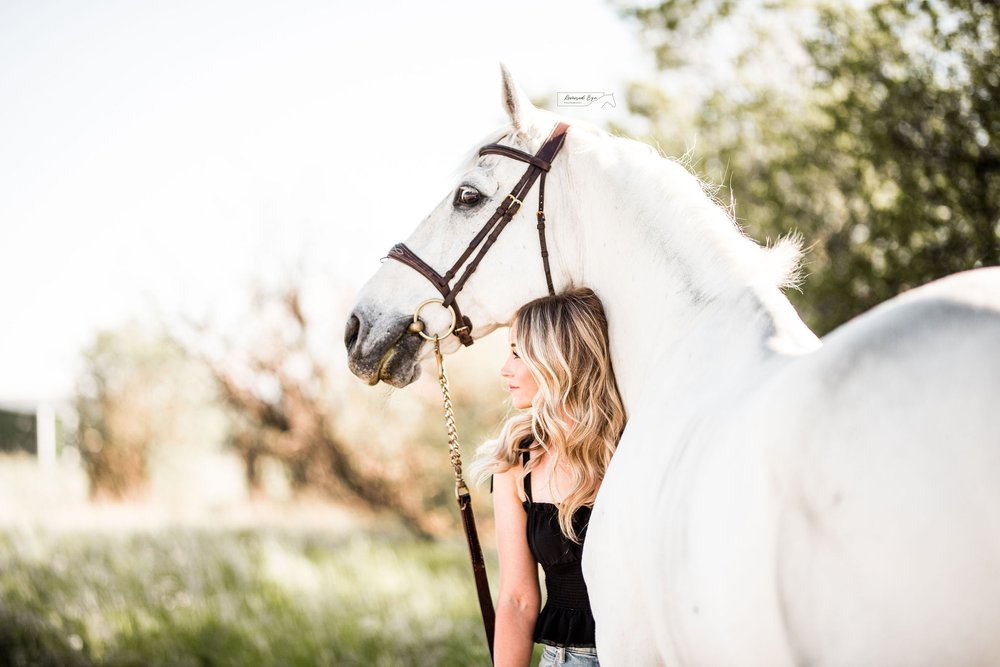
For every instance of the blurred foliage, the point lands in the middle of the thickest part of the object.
(150, 402)
(282, 407)
(133, 388)
(262, 597)
(331, 434)
(871, 130)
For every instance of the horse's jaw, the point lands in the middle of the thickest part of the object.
(380, 349)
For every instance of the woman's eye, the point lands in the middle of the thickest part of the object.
(467, 195)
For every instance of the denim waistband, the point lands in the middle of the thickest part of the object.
(581, 650)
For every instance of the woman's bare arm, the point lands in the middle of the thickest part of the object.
(519, 597)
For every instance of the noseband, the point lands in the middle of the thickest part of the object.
(538, 165)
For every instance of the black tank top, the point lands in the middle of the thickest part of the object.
(566, 619)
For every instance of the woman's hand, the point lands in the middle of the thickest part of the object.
(519, 597)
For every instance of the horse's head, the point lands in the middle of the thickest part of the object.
(382, 342)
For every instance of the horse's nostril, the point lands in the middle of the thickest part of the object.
(351, 332)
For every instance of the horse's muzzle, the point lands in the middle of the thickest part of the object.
(378, 353)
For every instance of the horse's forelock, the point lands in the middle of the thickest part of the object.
(468, 161)
(528, 138)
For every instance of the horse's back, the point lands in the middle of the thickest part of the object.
(887, 460)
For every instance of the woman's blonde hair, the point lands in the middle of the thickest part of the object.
(577, 416)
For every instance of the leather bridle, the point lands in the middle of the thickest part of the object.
(538, 165)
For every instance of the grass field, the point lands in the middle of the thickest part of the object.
(208, 596)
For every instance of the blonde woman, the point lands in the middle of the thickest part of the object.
(547, 465)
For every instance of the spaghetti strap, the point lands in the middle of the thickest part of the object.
(525, 457)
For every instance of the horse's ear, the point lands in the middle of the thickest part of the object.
(515, 102)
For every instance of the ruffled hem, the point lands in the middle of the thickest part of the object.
(558, 626)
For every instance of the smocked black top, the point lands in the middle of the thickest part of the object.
(566, 619)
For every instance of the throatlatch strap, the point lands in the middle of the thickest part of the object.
(541, 235)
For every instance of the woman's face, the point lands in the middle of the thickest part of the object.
(520, 383)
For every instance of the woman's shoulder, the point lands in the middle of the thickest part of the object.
(508, 482)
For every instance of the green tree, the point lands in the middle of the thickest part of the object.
(872, 132)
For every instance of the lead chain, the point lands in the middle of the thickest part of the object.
(455, 454)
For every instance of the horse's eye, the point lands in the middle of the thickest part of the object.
(466, 195)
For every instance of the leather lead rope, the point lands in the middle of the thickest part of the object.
(465, 506)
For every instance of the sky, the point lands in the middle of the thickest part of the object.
(158, 158)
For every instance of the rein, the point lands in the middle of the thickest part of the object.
(539, 165)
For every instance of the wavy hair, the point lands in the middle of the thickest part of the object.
(577, 416)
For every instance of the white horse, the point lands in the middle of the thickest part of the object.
(774, 500)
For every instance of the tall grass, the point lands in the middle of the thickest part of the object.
(191, 596)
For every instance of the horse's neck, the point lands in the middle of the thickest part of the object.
(685, 350)
(682, 330)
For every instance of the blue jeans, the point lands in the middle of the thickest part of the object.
(572, 656)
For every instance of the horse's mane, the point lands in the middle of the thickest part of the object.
(695, 202)
(710, 226)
